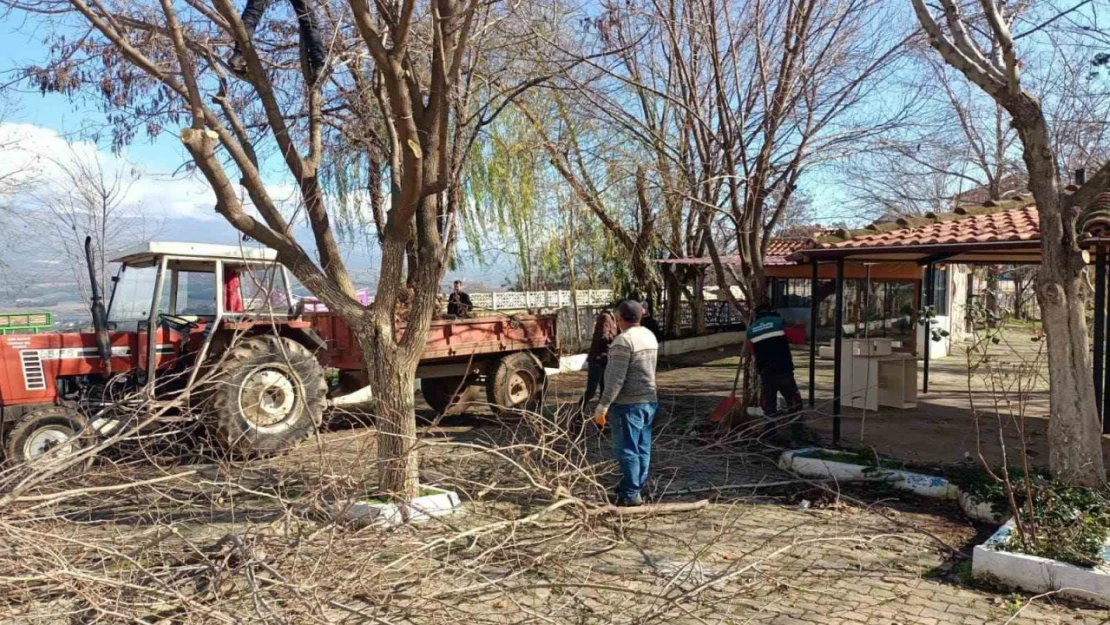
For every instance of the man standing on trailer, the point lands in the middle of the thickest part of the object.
(458, 304)
(630, 400)
(775, 365)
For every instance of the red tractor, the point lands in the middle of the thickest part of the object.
(180, 310)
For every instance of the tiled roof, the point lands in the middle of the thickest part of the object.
(785, 247)
(1010, 220)
(1016, 220)
(777, 251)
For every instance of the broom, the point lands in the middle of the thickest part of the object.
(727, 405)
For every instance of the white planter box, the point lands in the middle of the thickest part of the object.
(1039, 575)
(440, 503)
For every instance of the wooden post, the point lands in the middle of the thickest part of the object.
(929, 293)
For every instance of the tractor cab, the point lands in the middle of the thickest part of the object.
(181, 292)
(177, 315)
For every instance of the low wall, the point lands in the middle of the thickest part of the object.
(577, 362)
(698, 343)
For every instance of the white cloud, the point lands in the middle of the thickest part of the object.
(32, 160)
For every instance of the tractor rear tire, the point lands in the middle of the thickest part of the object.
(39, 431)
(269, 393)
(449, 396)
(516, 384)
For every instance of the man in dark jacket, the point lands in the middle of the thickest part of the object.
(605, 330)
(458, 304)
(775, 364)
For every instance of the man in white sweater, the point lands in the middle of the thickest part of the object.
(629, 401)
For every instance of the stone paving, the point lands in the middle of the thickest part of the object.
(783, 557)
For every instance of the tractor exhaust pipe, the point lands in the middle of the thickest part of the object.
(99, 316)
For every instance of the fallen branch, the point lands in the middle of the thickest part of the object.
(649, 509)
(758, 485)
(77, 492)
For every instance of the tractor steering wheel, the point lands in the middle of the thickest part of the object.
(180, 324)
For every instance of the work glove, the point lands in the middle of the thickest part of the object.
(600, 417)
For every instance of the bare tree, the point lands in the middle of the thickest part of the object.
(87, 199)
(982, 47)
(957, 140)
(402, 74)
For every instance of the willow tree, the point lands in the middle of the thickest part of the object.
(981, 46)
(404, 69)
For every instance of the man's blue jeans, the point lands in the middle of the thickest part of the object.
(631, 425)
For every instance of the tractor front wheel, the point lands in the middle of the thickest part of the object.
(270, 392)
(55, 430)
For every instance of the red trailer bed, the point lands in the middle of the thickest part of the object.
(505, 355)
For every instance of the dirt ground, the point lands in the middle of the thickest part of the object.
(256, 543)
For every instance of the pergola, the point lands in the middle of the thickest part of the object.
(996, 232)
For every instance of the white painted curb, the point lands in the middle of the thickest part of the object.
(919, 483)
(384, 515)
(1036, 574)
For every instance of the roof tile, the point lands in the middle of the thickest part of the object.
(1005, 223)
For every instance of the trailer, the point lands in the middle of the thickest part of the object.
(496, 360)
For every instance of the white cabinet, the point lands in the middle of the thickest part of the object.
(873, 375)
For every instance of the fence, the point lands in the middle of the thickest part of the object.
(520, 300)
(505, 300)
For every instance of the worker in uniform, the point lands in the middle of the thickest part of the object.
(775, 366)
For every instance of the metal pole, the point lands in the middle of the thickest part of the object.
(1100, 326)
(813, 337)
(839, 334)
(929, 293)
(1102, 304)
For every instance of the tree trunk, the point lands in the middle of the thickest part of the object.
(697, 306)
(391, 376)
(1074, 431)
(672, 315)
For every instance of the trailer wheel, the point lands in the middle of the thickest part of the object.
(270, 392)
(516, 384)
(43, 430)
(449, 395)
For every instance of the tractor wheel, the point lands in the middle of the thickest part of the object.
(516, 384)
(449, 395)
(269, 393)
(40, 431)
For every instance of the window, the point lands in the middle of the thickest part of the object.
(133, 293)
(940, 290)
(196, 293)
(262, 287)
